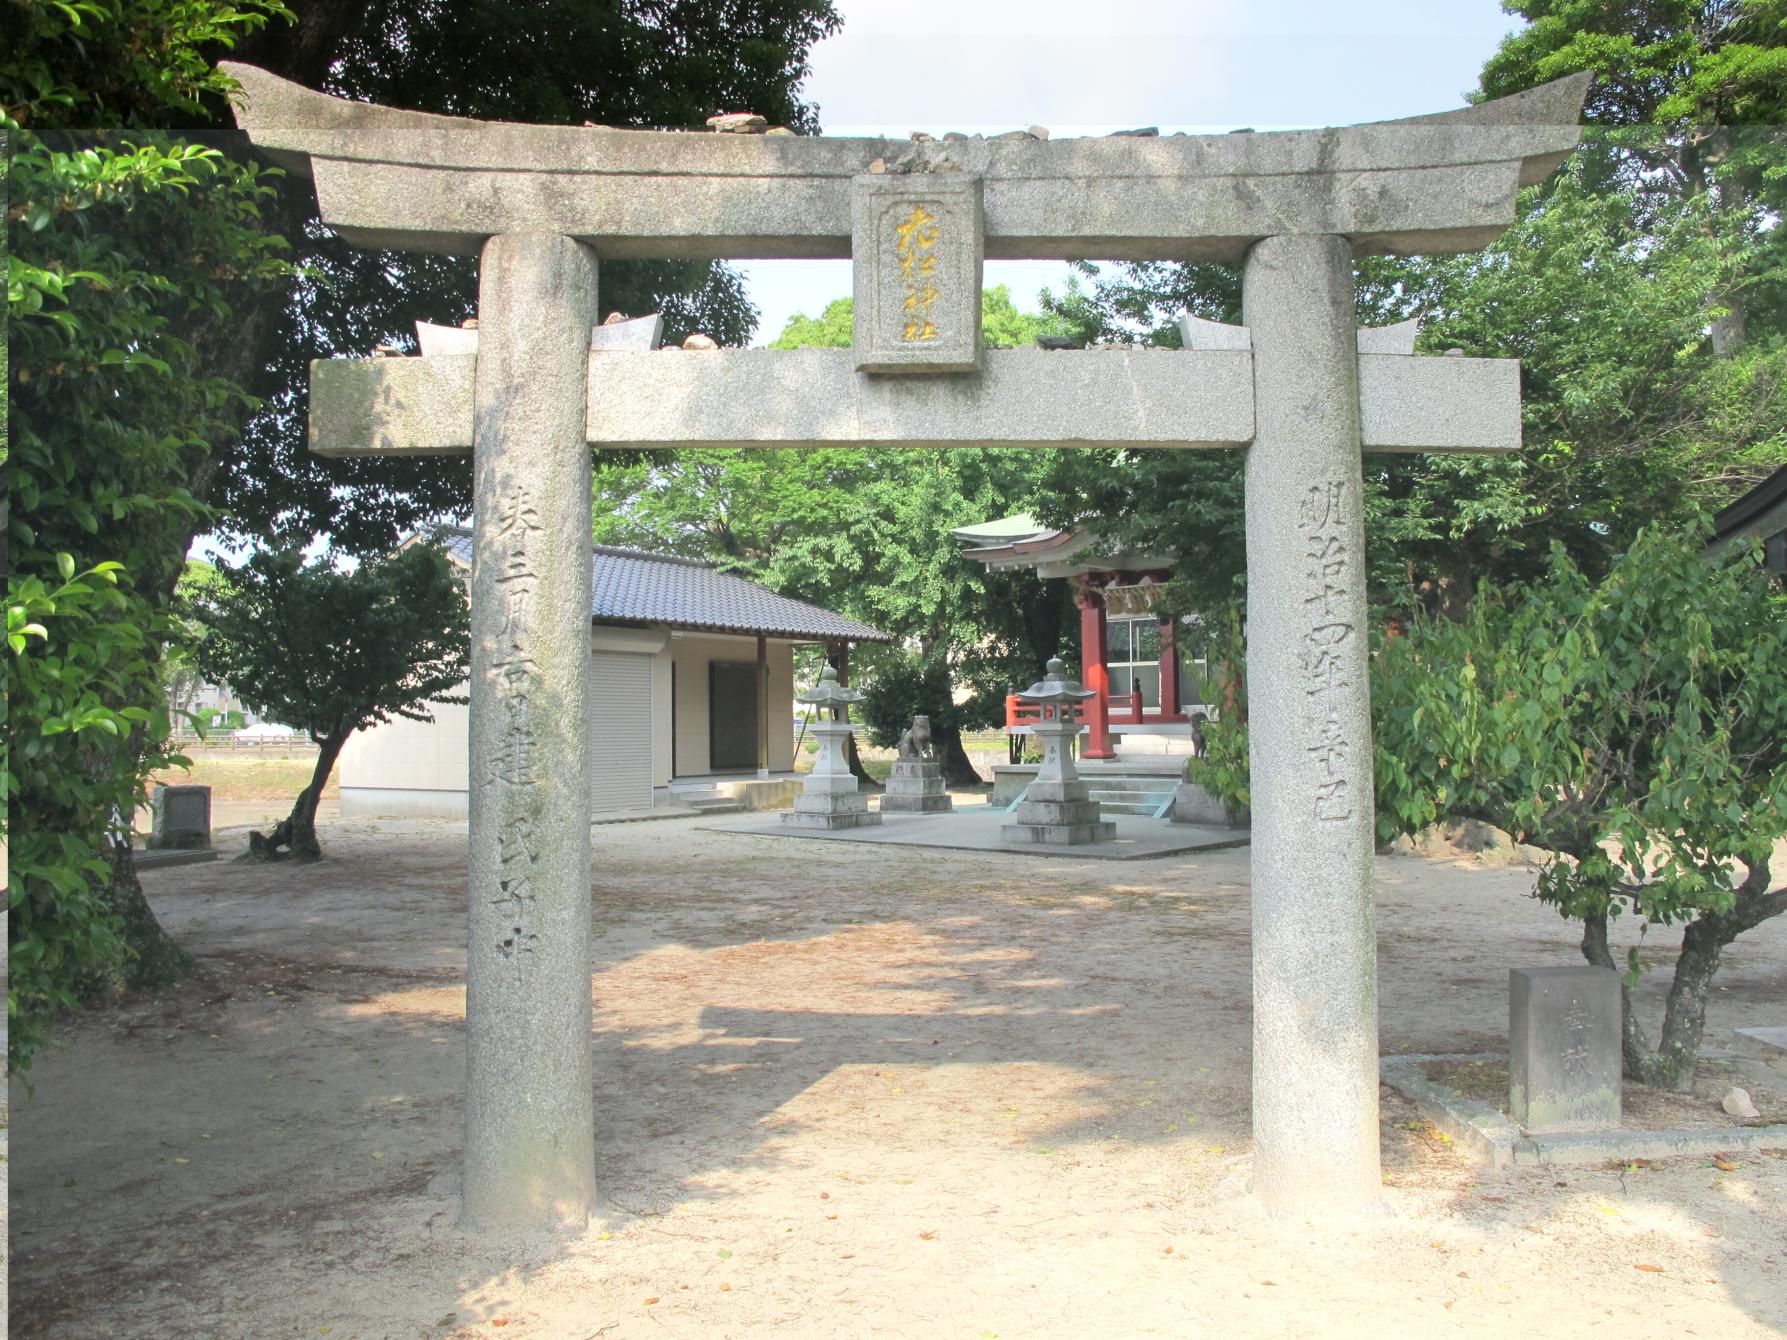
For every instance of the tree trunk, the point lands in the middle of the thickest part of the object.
(1638, 1060)
(297, 831)
(1671, 1064)
(957, 770)
(154, 960)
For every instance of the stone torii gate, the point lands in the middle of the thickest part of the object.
(1295, 386)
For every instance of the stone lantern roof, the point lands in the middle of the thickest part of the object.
(1056, 687)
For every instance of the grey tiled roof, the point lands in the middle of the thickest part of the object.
(632, 586)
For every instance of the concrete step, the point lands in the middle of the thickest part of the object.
(1149, 785)
(715, 804)
(1108, 807)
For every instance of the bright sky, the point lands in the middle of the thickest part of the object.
(1083, 68)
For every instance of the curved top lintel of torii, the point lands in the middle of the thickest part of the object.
(416, 181)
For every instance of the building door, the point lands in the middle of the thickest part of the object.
(620, 731)
(732, 715)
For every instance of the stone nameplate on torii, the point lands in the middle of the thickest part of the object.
(1295, 386)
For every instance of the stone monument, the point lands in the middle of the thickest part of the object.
(1564, 1061)
(915, 786)
(1056, 810)
(180, 818)
(829, 797)
(1295, 386)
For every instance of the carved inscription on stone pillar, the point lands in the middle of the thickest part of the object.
(1332, 652)
(916, 251)
(514, 766)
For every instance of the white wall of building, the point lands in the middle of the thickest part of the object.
(693, 653)
(421, 768)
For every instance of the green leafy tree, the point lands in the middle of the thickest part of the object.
(1636, 726)
(1693, 95)
(119, 245)
(1644, 290)
(333, 652)
(79, 657)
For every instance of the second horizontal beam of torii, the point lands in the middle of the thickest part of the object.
(814, 397)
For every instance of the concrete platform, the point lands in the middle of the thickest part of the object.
(978, 828)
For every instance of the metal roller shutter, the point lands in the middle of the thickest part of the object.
(620, 732)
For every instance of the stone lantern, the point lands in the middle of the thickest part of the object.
(829, 797)
(1056, 810)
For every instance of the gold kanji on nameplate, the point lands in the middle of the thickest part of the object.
(916, 252)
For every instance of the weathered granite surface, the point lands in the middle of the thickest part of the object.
(394, 179)
(916, 252)
(179, 817)
(1315, 1064)
(529, 1116)
(1021, 398)
(1193, 804)
(915, 786)
(1564, 1048)
(829, 797)
(1056, 809)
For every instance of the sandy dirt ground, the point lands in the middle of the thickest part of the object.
(841, 1091)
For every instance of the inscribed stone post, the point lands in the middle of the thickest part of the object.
(1315, 1065)
(1564, 1048)
(530, 1122)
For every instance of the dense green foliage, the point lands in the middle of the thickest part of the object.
(1635, 725)
(120, 246)
(332, 652)
(78, 657)
(93, 63)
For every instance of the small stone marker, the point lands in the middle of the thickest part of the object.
(915, 786)
(829, 798)
(1193, 804)
(918, 242)
(1564, 1048)
(180, 817)
(1056, 810)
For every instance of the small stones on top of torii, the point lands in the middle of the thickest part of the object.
(829, 798)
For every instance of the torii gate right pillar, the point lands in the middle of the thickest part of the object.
(1315, 1062)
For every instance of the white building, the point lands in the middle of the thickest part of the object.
(692, 675)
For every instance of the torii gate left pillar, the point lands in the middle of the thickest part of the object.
(529, 1103)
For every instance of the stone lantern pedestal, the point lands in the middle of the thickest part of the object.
(829, 798)
(1056, 810)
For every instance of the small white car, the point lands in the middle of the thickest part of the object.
(264, 732)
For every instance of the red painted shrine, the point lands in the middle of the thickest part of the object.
(1128, 652)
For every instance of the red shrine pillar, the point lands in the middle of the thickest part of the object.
(1093, 674)
(1169, 668)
